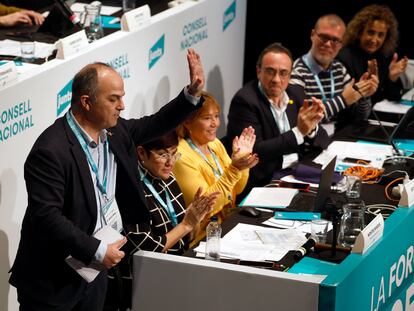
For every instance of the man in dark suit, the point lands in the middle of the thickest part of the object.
(81, 175)
(282, 119)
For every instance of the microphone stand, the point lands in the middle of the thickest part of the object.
(389, 139)
(333, 255)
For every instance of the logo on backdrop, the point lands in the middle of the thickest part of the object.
(121, 65)
(194, 32)
(63, 99)
(156, 52)
(229, 15)
(15, 120)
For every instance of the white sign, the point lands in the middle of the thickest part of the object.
(72, 44)
(8, 74)
(407, 195)
(369, 235)
(136, 19)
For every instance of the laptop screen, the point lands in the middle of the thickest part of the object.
(324, 185)
(405, 128)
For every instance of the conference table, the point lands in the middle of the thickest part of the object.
(381, 278)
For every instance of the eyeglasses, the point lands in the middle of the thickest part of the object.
(325, 38)
(165, 157)
(283, 73)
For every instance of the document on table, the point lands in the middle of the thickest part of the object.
(270, 197)
(12, 48)
(256, 243)
(105, 9)
(300, 225)
(373, 152)
(391, 106)
(106, 234)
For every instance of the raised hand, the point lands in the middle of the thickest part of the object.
(244, 143)
(397, 67)
(373, 67)
(113, 254)
(197, 79)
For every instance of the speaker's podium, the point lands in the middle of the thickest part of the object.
(380, 279)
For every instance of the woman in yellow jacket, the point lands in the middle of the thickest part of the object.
(205, 162)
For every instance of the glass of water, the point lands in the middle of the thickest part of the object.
(352, 223)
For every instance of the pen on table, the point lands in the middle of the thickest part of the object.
(114, 21)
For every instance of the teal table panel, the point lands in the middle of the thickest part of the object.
(380, 279)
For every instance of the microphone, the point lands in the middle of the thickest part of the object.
(304, 249)
(68, 12)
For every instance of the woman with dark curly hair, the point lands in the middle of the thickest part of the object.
(369, 46)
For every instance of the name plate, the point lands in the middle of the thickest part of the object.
(369, 235)
(407, 195)
(8, 74)
(136, 18)
(72, 44)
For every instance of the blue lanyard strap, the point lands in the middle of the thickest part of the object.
(101, 186)
(318, 82)
(307, 59)
(168, 207)
(195, 148)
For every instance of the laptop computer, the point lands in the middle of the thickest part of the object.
(308, 202)
(376, 133)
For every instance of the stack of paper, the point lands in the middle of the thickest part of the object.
(373, 152)
(270, 197)
(256, 243)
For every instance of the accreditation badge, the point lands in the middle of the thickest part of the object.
(112, 215)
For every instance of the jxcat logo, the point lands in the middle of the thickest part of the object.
(156, 52)
(63, 98)
(229, 15)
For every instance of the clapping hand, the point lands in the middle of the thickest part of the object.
(368, 84)
(196, 73)
(199, 208)
(242, 156)
(310, 115)
(397, 67)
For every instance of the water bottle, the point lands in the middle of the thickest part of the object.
(213, 235)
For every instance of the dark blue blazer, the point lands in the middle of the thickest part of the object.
(61, 212)
(250, 107)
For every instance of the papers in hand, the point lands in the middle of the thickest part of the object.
(107, 235)
(270, 197)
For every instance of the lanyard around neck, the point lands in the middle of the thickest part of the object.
(318, 82)
(74, 127)
(308, 62)
(216, 172)
(168, 207)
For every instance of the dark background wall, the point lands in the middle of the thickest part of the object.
(292, 21)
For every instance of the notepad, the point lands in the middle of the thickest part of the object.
(269, 197)
(90, 272)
